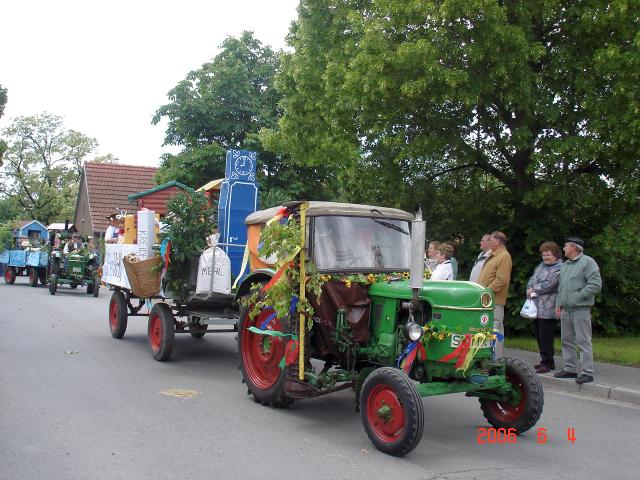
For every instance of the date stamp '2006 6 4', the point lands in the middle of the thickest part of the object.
(491, 436)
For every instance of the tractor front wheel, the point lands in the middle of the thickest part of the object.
(525, 408)
(260, 357)
(118, 314)
(161, 331)
(10, 275)
(53, 284)
(391, 411)
(33, 277)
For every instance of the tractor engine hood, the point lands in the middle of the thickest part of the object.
(445, 294)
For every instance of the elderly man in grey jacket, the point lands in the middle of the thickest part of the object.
(579, 282)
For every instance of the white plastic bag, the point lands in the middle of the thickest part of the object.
(214, 272)
(529, 309)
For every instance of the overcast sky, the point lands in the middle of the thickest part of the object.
(106, 66)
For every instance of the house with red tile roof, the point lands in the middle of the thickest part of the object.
(104, 189)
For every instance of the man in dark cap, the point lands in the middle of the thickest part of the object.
(579, 282)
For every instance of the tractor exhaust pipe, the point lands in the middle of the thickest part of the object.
(418, 235)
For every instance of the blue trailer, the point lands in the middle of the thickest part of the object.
(24, 262)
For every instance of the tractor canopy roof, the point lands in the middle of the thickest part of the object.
(317, 209)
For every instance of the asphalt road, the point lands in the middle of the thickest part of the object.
(77, 404)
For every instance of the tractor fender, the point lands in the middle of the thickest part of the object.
(257, 276)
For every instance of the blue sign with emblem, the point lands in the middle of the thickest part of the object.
(238, 198)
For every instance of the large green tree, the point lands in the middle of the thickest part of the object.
(3, 102)
(223, 105)
(42, 166)
(514, 115)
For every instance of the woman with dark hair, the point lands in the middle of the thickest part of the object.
(543, 289)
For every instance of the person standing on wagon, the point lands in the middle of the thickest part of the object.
(579, 282)
(111, 234)
(496, 275)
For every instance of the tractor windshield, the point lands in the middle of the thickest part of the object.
(361, 243)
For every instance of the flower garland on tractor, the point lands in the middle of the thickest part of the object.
(283, 237)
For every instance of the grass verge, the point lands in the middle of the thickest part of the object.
(617, 350)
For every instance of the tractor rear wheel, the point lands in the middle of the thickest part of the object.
(260, 357)
(391, 411)
(161, 331)
(118, 314)
(10, 275)
(53, 284)
(33, 277)
(524, 411)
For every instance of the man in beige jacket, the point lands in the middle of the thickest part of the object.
(496, 275)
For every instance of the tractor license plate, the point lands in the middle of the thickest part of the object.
(77, 269)
(456, 340)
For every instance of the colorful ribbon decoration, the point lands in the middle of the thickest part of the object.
(272, 333)
(290, 353)
(245, 261)
(165, 252)
(282, 213)
(499, 337)
(476, 344)
(407, 357)
(267, 321)
(460, 353)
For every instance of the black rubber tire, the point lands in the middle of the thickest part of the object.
(525, 415)
(10, 276)
(404, 389)
(53, 284)
(273, 396)
(197, 331)
(42, 276)
(54, 266)
(96, 286)
(118, 314)
(89, 288)
(33, 277)
(161, 339)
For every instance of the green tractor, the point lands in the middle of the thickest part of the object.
(74, 269)
(366, 319)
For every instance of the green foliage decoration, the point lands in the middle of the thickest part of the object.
(6, 235)
(283, 241)
(188, 224)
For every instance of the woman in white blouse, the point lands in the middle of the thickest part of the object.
(443, 270)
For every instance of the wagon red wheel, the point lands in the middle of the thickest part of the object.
(525, 407)
(391, 411)
(118, 314)
(260, 357)
(161, 331)
(10, 275)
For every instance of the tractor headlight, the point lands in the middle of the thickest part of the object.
(413, 331)
(56, 254)
(486, 300)
(92, 256)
